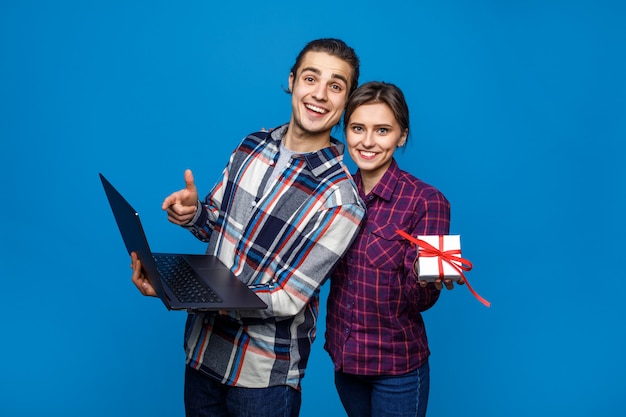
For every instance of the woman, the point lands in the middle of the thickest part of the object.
(374, 332)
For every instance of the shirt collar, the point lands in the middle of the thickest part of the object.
(387, 184)
(321, 161)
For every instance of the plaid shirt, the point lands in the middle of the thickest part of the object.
(283, 244)
(374, 325)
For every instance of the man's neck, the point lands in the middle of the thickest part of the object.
(300, 141)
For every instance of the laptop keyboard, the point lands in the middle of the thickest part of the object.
(181, 279)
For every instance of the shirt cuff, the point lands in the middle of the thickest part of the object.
(193, 221)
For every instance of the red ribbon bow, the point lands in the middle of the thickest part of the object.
(449, 256)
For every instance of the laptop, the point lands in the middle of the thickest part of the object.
(182, 282)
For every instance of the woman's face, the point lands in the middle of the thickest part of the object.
(372, 135)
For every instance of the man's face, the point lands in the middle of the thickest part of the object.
(319, 93)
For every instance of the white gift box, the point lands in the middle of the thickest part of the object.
(440, 257)
(431, 265)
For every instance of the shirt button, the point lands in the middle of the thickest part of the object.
(347, 330)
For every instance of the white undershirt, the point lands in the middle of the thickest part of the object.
(284, 155)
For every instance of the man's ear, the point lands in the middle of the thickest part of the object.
(290, 82)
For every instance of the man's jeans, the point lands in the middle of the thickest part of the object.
(205, 397)
(377, 396)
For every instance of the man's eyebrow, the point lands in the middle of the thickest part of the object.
(318, 72)
(340, 77)
(312, 69)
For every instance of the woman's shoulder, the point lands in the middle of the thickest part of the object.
(410, 184)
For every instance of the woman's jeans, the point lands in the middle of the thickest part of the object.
(377, 396)
(205, 397)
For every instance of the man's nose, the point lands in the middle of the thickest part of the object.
(320, 93)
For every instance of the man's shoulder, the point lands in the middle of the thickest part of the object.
(343, 189)
(264, 137)
(258, 142)
(258, 136)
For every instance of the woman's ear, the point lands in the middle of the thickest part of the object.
(402, 140)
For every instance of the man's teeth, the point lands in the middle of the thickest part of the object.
(316, 109)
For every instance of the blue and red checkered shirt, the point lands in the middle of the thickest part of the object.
(281, 235)
(374, 324)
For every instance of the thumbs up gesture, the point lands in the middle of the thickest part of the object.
(181, 206)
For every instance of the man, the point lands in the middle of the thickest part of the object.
(282, 215)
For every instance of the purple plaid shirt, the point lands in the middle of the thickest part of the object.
(374, 324)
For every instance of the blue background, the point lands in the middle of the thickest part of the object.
(518, 116)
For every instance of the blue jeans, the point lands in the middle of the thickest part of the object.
(206, 397)
(385, 395)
